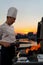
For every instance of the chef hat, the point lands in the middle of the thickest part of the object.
(12, 12)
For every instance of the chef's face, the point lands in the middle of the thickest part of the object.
(10, 20)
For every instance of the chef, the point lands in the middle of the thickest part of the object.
(7, 37)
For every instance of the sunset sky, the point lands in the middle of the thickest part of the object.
(29, 14)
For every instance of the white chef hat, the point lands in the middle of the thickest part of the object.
(12, 12)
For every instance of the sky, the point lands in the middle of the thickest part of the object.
(29, 14)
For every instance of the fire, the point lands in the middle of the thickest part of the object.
(33, 48)
(27, 50)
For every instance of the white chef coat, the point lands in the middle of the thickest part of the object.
(7, 33)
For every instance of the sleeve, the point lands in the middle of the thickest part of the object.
(38, 32)
(41, 32)
(1, 33)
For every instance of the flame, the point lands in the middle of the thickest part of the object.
(33, 48)
(27, 50)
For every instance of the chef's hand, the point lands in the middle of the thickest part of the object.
(6, 44)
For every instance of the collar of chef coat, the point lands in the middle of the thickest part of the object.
(9, 28)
